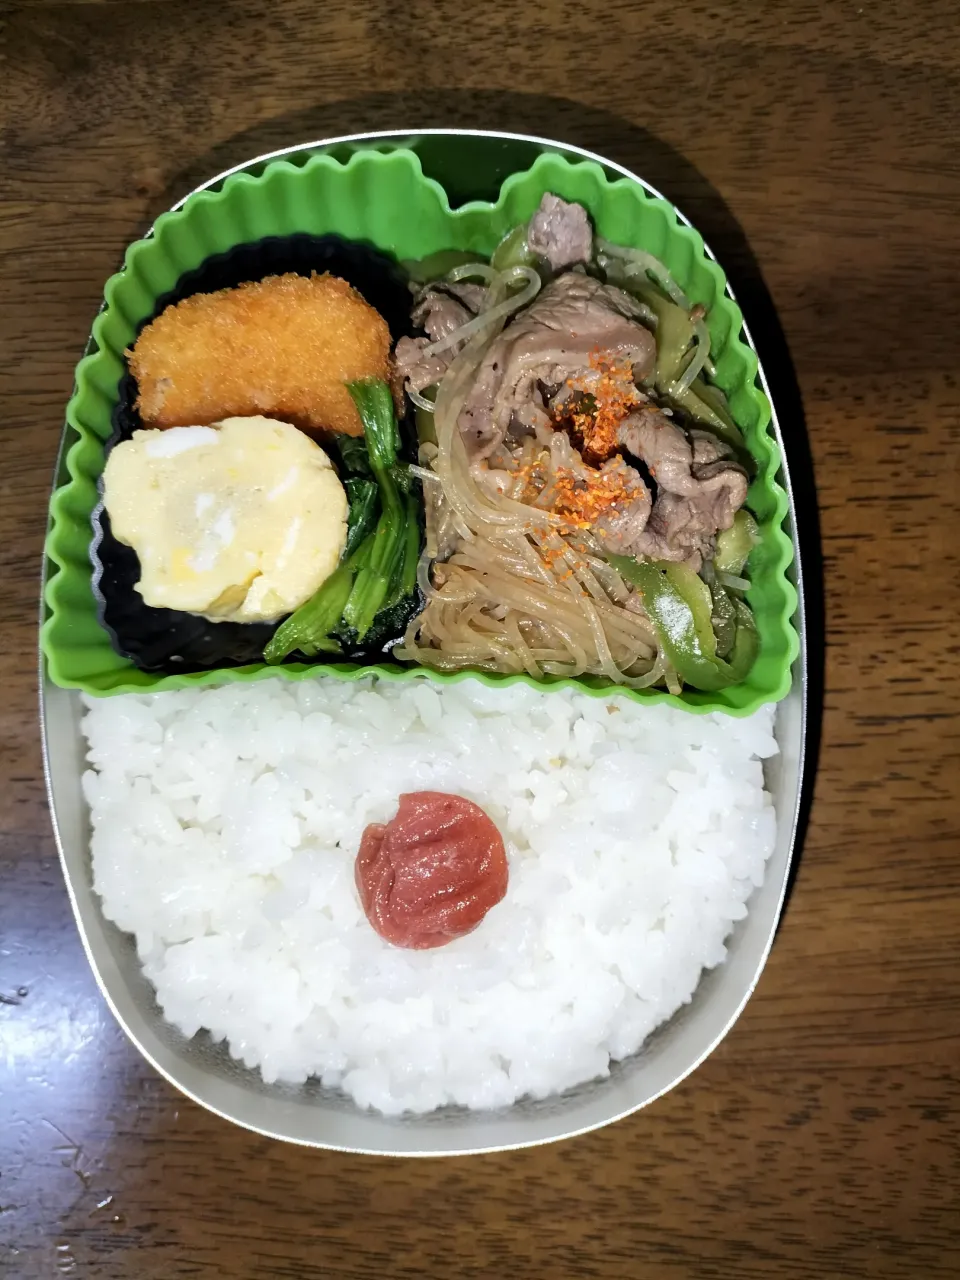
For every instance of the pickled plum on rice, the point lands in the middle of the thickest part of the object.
(432, 873)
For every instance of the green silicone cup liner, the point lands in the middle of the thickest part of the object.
(385, 199)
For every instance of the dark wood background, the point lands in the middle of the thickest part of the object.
(815, 144)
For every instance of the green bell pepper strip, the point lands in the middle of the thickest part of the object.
(426, 425)
(706, 403)
(308, 628)
(696, 595)
(735, 544)
(675, 336)
(677, 627)
(513, 250)
(723, 615)
(372, 585)
(724, 619)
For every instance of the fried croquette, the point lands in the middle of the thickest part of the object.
(283, 347)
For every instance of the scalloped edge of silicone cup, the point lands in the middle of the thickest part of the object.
(324, 195)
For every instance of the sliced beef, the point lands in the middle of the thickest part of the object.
(439, 309)
(415, 370)
(571, 320)
(649, 434)
(708, 449)
(472, 295)
(560, 233)
(439, 313)
(678, 529)
(699, 488)
(620, 528)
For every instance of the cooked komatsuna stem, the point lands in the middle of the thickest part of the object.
(379, 571)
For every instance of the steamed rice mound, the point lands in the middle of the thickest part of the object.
(225, 827)
(283, 347)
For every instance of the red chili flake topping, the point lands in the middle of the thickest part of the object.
(608, 397)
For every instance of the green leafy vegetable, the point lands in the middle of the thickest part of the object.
(402, 477)
(308, 628)
(372, 585)
(362, 496)
(354, 460)
(406, 576)
(401, 602)
(388, 626)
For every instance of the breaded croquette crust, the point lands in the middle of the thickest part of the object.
(283, 347)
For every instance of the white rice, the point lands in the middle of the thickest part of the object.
(225, 827)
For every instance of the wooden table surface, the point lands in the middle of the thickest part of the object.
(816, 147)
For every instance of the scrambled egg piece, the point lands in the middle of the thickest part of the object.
(240, 522)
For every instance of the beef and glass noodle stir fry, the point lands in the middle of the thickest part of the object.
(583, 482)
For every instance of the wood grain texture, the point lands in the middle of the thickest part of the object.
(815, 146)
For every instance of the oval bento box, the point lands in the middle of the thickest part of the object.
(316, 1116)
